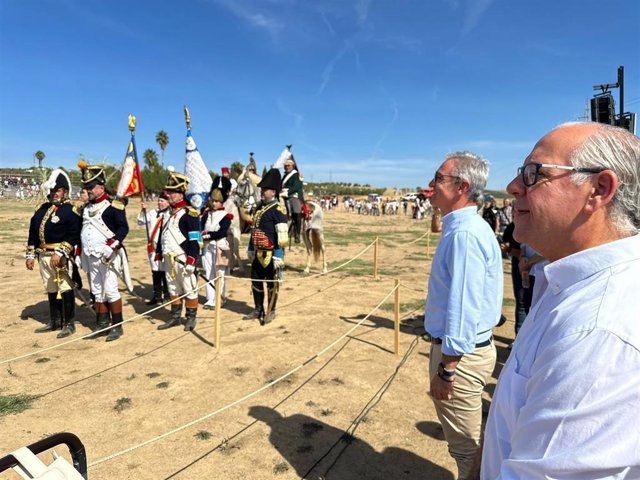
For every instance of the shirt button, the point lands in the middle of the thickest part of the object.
(556, 289)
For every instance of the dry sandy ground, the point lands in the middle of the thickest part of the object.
(355, 411)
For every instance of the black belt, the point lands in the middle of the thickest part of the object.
(486, 343)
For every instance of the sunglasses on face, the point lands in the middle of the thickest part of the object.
(531, 171)
(439, 177)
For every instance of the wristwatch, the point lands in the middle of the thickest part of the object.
(444, 374)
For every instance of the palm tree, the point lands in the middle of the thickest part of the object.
(162, 139)
(40, 157)
(151, 159)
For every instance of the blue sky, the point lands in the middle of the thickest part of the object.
(367, 91)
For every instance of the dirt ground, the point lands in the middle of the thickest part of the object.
(357, 411)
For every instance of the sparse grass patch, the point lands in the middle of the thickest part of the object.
(337, 381)
(310, 403)
(153, 374)
(203, 435)
(42, 360)
(325, 412)
(122, 404)
(281, 467)
(162, 385)
(131, 377)
(11, 372)
(404, 306)
(239, 371)
(508, 302)
(15, 403)
(35, 344)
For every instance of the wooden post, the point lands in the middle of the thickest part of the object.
(375, 260)
(428, 243)
(218, 286)
(396, 318)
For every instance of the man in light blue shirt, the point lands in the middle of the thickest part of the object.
(464, 303)
(567, 402)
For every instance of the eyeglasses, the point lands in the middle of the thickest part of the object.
(439, 177)
(530, 172)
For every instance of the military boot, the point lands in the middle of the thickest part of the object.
(116, 330)
(157, 288)
(102, 322)
(176, 310)
(55, 315)
(68, 314)
(191, 319)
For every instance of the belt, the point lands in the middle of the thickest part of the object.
(486, 343)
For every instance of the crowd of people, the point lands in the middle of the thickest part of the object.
(566, 400)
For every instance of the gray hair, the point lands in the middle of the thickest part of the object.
(472, 168)
(616, 149)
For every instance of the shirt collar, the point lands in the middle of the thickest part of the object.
(180, 204)
(101, 198)
(574, 268)
(458, 214)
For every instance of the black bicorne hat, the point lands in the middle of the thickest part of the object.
(220, 189)
(271, 180)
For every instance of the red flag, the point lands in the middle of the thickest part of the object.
(130, 181)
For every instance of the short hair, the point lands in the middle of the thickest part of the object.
(616, 149)
(472, 168)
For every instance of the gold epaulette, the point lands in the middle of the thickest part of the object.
(119, 204)
(282, 209)
(78, 208)
(194, 212)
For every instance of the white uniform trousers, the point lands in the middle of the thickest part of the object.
(211, 272)
(180, 282)
(52, 283)
(103, 278)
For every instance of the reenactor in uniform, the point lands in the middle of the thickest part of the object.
(104, 228)
(293, 195)
(266, 250)
(179, 248)
(53, 231)
(216, 222)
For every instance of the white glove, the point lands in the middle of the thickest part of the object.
(278, 262)
(106, 252)
(251, 254)
(189, 269)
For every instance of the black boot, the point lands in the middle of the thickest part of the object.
(191, 319)
(55, 315)
(258, 299)
(273, 299)
(102, 321)
(68, 314)
(176, 311)
(157, 288)
(297, 221)
(116, 330)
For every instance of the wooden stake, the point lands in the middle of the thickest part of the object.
(218, 286)
(375, 260)
(396, 318)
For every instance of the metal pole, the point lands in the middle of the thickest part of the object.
(375, 260)
(621, 86)
(218, 286)
(396, 318)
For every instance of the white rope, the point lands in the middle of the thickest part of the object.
(91, 334)
(246, 397)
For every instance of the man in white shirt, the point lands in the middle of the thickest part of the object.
(568, 398)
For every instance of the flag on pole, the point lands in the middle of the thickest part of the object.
(130, 181)
(199, 178)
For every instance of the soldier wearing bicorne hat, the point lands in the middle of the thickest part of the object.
(104, 228)
(53, 231)
(269, 238)
(179, 248)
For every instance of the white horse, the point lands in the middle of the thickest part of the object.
(313, 236)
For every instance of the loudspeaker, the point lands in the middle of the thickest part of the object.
(603, 109)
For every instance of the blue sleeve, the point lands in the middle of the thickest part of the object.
(121, 227)
(190, 228)
(466, 263)
(225, 223)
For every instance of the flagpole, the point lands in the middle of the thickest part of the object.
(132, 129)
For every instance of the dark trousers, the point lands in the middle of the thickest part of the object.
(519, 294)
(258, 275)
(528, 293)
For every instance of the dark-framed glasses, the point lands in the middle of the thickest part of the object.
(530, 172)
(440, 177)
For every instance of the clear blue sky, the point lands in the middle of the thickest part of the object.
(367, 91)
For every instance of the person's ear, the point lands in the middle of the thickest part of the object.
(604, 187)
(464, 186)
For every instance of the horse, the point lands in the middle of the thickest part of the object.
(246, 198)
(313, 236)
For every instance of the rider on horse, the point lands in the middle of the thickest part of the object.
(293, 195)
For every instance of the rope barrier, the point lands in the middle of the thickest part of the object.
(246, 397)
(144, 314)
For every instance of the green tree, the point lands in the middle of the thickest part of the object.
(236, 170)
(40, 157)
(162, 139)
(151, 160)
